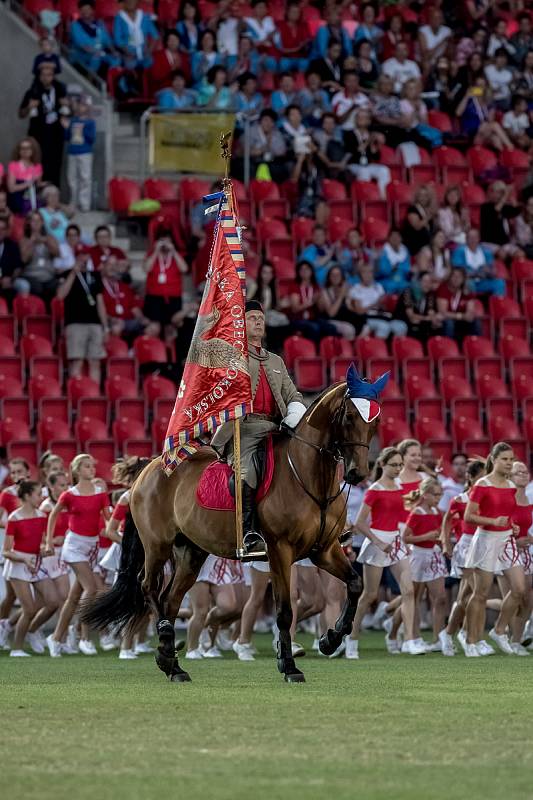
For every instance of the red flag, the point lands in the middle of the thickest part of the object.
(216, 385)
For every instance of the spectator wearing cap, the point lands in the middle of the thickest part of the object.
(46, 56)
(91, 45)
(85, 316)
(104, 248)
(80, 133)
(10, 262)
(44, 103)
(478, 261)
(164, 268)
(134, 35)
(293, 39)
(38, 249)
(176, 96)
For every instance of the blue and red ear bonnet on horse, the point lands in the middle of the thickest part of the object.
(363, 394)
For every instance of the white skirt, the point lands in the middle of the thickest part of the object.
(221, 571)
(427, 564)
(98, 569)
(460, 554)
(526, 559)
(260, 566)
(53, 566)
(305, 562)
(374, 555)
(492, 551)
(78, 548)
(110, 560)
(20, 571)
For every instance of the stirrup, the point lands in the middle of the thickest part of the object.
(254, 550)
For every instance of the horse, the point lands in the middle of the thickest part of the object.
(301, 516)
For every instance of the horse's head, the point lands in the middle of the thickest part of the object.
(357, 422)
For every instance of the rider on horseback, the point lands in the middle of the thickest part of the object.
(275, 400)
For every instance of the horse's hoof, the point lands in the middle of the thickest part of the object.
(295, 677)
(180, 677)
(329, 642)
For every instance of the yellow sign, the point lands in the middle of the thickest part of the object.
(188, 142)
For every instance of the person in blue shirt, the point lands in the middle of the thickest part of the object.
(189, 26)
(332, 31)
(46, 56)
(313, 100)
(205, 58)
(394, 264)
(91, 45)
(248, 101)
(285, 96)
(176, 96)
(80, 133)
(214, 91)
(135, 35)
(320, 254)
(478, 261)
(368, 29)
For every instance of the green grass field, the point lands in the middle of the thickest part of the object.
(381, 728)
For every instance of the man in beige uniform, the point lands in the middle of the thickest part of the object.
(275, 400)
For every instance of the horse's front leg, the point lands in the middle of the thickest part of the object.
(280, 570)
(337, 564)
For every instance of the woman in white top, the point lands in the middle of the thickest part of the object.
(453, 218)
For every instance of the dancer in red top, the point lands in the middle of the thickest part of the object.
(411, 474)
(378, 520)
(55, 568)
(491, 506)
(26, 527)
(428, 567)
(19, 470)
(85, 504)
(464, 532)
(523, 518)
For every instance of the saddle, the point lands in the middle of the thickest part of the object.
(216, 487)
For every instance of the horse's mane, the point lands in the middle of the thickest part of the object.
(317, 401)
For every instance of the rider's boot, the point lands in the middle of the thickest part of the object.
(254, 546)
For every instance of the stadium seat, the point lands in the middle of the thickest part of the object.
(418, 388)
(427, 427)
(42, 386)
(55, 407)
(280, 247)
(491, 365)
(476, 346)
(297, 347)
(95, 408)
(392, 430)
(140, 447)
(488, 386)
(369, 347)
(273, 209)
(515, 159)
(7, 346)
(429, 408)
(25, 305)
(342, 209)
(333, 190)
(453, 366)
(115, 346)
(39, 325)
(394, 407)
(374, 231)
(81, 387)
(86, 428)
(522, 366)
(406, 347)
(514, 326)
(442, 347)
(122, 192)
(17, 408)
(417, 366)
(378, 366)
(51, 428)
(117, 387)
(122, 367)
(511, 347)
(10, 387)
(476, 447)
(160, 189)
(472, 195)
(163, 407)
(23, 448)
(500, 307)
(270, 229)
(310, 373)
(453, 387)
(365, 192)
(481, 159)
(155, 387)
(49, 366)
(103, 452)
(440, 120)
(7, 326)
(466, 407)
(465, 428)
(159, 430)
(66, 449)
(131, 408)
(334, 346)
(338, 368)
(500, 407)
(338, 228)
(392, 390)
(285, 270)
(11, 367)
(148, 349)
(126, 428)
(302, 230)
(442, 448)
(13, 428)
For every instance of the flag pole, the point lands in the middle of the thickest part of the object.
(225, 150)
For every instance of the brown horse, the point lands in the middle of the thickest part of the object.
(301, 516)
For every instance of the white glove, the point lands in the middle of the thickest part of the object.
(295, 412)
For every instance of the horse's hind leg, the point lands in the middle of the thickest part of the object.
(280, 571)
(336, 563)
(189, 560)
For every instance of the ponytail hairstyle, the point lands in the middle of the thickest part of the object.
(54, 477)
(474, 470)
(415, 497)
(25, 488)
(126, 469)
(46, 461)
(75, 465)
(384, 457)
(405, 444)
(497, 450)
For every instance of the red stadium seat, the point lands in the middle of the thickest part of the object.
(25, 305)
(453, 366)
(7, 346)
(481, 159)
(478, 446)
(310, 374)
(163, 407)
(429, 408)
(66, 449)
(476, 346)
(500, 407)
(488, 386)
(39, 325)
(503, 428)
(192, 190)
(51, 428)
(369, 347)
(7, 326)
(284, 268)
(42, 386)
(500, 307)
(472, 194)
(448, 157)
(148, 348)
(338, 368)
(12, 428)
(365, 192)
(406, 347)
(442, 448)
(270, 229)
(10, 387)
(103, 452)
(418, 388)
(280, 247)
(11, 367)
(263, 190)
(522, 366)
(23, 448)
(125, 428)
(376, 367)
(511, 347)
(81, 387)
(117, 387)
(140, 447)
(49, 366)
(427, 428)
(302, 230)
(122, 367)
(160, 189)
(514, 159)
(122, 192)
(442, 347)
(16, 407)
(333, 190)
(417, 366)
(394, 407)
(466, 407)
(453, 387)
(273, 209)
(155, 387)
(55, 407)
(342, 209)
(514, 326)
(392, 430)
(465, 428)
(334, 346)
(489, 366)
(115, 346)
(374, 231)
(338, 228)
(86, 428)
(297, 347)
(159, 431)
(440, 120)
(131, 408)
(95, 408)
(392, 391)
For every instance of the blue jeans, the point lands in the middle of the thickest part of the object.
(457, 329)
(494, 286)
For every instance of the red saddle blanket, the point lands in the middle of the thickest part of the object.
(213, 488)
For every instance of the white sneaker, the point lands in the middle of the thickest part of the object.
(126, 655)
(352, 649)
(502, 640)
(314, 646)
(471, 651)
(392, 645)
(68, 650)
(224, 641)
(108, 642)
(19, 654)
(54, 648)
(461, 638)
(243, 651)
(297, 650)
(433, 647)
(35, 641)
(194, 655)
(379, 616)
(204, 640)
(73, 636)
(484, 648)
(87, 648)
(142, 647)
(446, 644)
(413, 647)
(518, 650)
(212, 652)
(340, 649)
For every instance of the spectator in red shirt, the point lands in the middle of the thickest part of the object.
(122, 304)
(166, 61)
(103, 249)
(293, 39)
(164, 267)
(457, 307)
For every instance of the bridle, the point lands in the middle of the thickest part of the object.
(334, 451)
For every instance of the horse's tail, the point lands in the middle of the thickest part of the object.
(124, 604)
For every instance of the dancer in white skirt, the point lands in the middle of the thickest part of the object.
(492, 506)
(85, 504)
(26, 528)
(379, 520)
(19, 470)
(55, 568)
(428, 567)
(463, 532)
(523, 518)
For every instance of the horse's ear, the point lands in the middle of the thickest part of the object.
(352, 379)
(381, 382)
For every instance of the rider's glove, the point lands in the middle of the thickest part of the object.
(295, 412)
